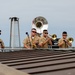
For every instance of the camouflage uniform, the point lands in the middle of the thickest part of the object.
(64, 45)
(30, 42)
(1, 44)
(43, 39)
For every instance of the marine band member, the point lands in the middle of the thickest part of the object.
(45, 40)
(63, 42)
(31, 41)
(1, 44)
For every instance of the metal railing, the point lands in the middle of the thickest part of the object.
(8, 49)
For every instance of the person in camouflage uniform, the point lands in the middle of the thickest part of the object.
(63, 42)
(45, 40)
(1, 44)
(31, 41)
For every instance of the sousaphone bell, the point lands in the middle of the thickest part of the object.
(40, 24)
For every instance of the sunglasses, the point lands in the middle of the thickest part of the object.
(64, 35)
(46, 33)
(34, 31)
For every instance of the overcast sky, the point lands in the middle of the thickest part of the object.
(60, 15)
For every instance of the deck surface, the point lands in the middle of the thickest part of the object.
(41, 62)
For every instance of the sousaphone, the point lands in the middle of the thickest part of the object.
(40, 23)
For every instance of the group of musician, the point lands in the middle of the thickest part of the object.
(34, 41)
(43, 41)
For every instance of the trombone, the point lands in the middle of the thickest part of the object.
(70, 39)
(54, 36)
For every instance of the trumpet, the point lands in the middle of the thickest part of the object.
(70, 39)
(54, 36)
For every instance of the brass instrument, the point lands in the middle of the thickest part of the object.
(54, 36)
(34, 44)
(40, 23)
(70, 39)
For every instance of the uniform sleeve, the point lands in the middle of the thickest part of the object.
(59, 41)
(38, 39)
(41, 40)
(25, 41)
(2, 43)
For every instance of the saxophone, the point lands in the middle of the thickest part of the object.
(35, 43)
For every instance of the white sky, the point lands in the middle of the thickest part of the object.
(60, 15)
